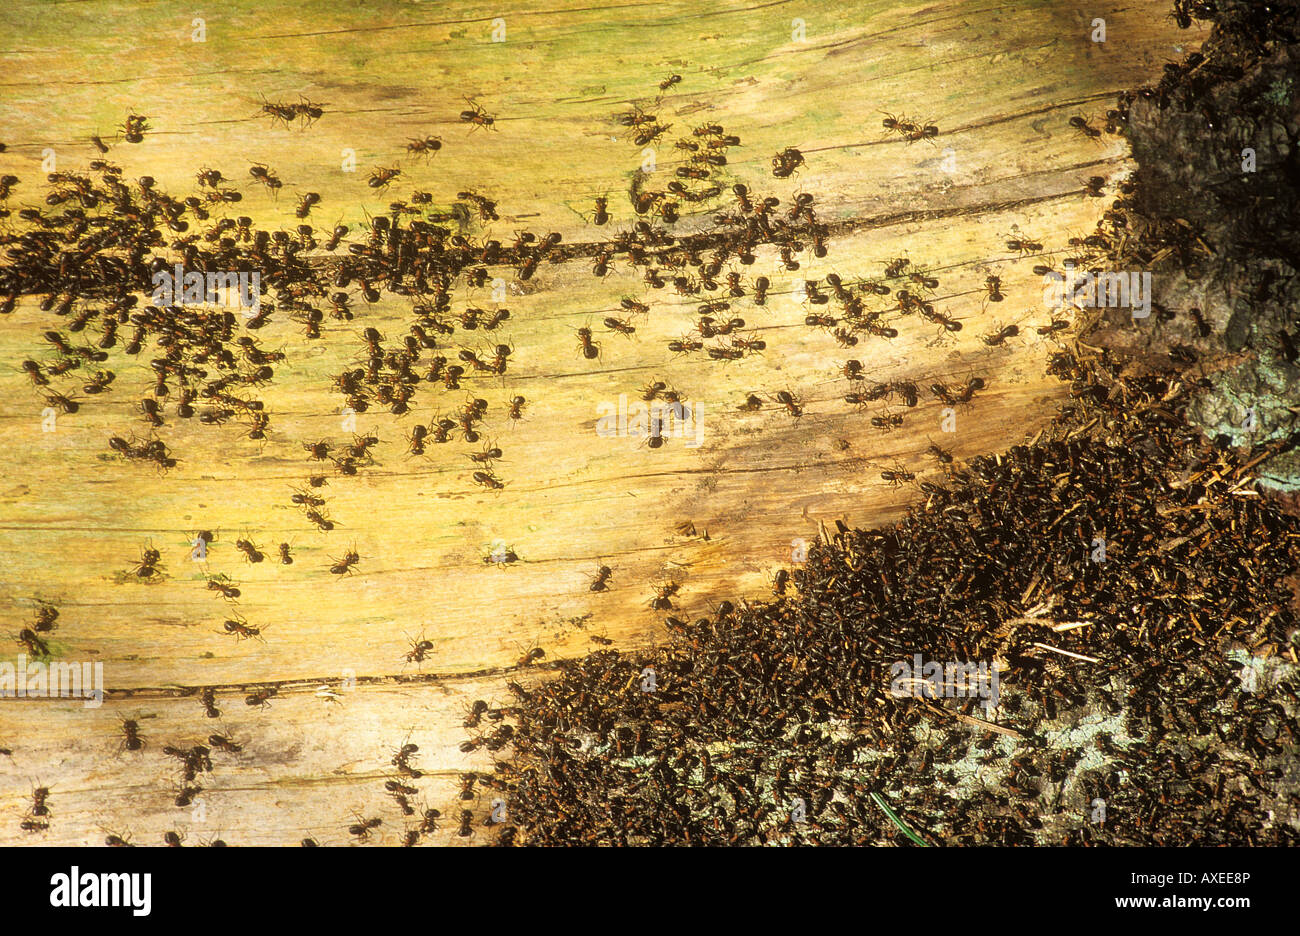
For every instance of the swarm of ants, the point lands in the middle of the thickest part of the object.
(747, 711)
(740, 724)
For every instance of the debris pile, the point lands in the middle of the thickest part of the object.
(1122, 578)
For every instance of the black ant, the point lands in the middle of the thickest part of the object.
(601, 582)
(793, 405)
(477, 117)
(590, 349)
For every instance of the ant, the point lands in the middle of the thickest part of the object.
(240, 629)
(501, 555)
(362, 828)
(116, 840)
(635, 118)
(344, 566)
(686, 345)
(150, 563)
(487, 456)
(858, 398)
(943, 394)
(601, 581)
(476, 712)
(186, 793)
(1023, 245)
(922, 279)
(429, 821)
(531, 656)
(1080, 124)
(46, 615)
(968, 391)
(251, 552)
(793, 405)
(222, 583)
(419, 650)
(382, 177)
(941, 454)
(310, 112)
(415, 439)
(925, 132)
(590, 349)
(208, 699)
(99, 382)
(305, 204)
(477, 117)
(33, 371)
(905, 389)
(34, 645)
(664, 593)
(361, 445)
(901, 125)
(424, 147)
(786, 162)
(402, 760)
(652, 390)
(134, 129)
(999, 337)
(306, 499)
(266, 175)
(261, 698)
(209, 177)
(225, 743)
(895, 268)
(489, 480)
(949, 324)
(467, 782)
(621, 326)
(340, 299)
(318, 450)
(39, 807)
(279, 113)
(897, 475)
(400, 791)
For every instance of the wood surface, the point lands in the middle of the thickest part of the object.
(1000, 80)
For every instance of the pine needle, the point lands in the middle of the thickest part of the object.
(880, 801)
